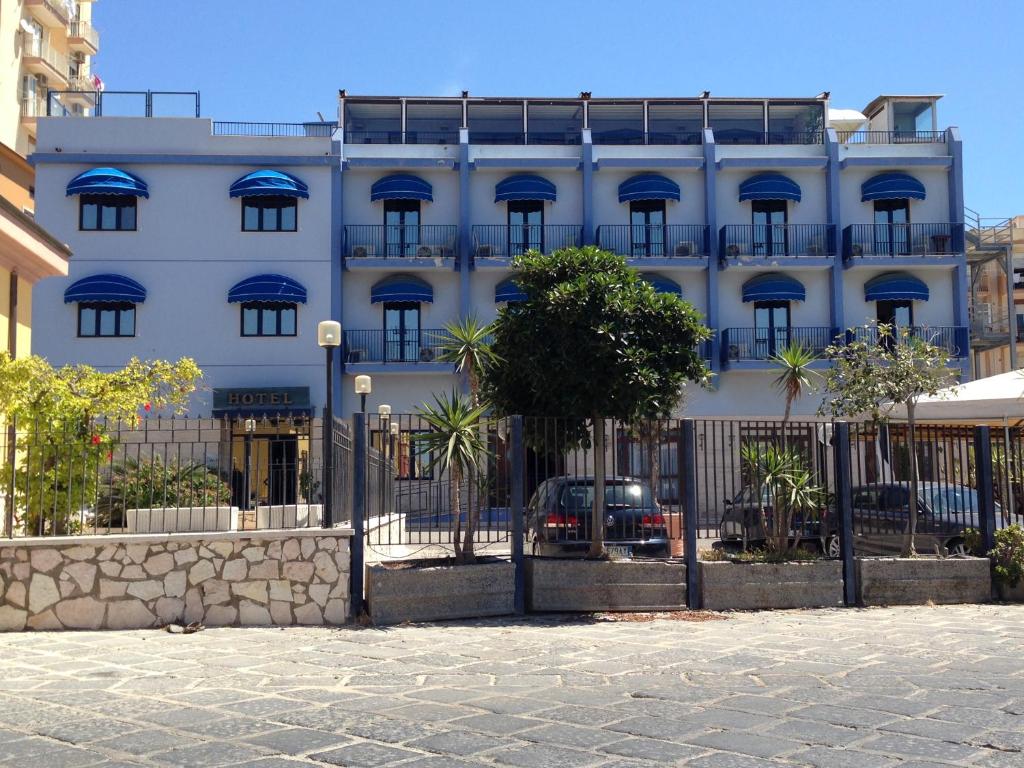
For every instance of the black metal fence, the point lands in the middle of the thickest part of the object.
(768, 241)
(500, 240)
(392, 241)
(639, 241)
(896, 240)
(235, 128)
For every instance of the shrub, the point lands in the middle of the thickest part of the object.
(1008, 557)
(149, 483)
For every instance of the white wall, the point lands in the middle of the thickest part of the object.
(733, 313)
(404, 392)
(688, 210)
(934, 209)
(937, 311)
(358, 209)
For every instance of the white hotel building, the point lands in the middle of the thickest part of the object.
(778, 219)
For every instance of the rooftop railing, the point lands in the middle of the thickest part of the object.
(319, 130)
(891, 137)
(130, 103)
(638, 241)
(768, 241)
(740, 136)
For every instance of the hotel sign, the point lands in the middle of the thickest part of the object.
(264, 398)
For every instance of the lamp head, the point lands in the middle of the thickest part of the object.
(364, 384)
(328, 333)
(384, 410)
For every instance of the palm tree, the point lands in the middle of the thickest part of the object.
(795, 373)
(468, 346)
(457, 447)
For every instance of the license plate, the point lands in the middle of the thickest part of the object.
(619, 552)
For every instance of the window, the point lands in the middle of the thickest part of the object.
(108, 213)
(647, 227)
(268, 318)
(769, 219)
(401, 227)
(106, 319)
(525, 226)
(771, 327)
(402, 332)
(892, 227)
(273, 213)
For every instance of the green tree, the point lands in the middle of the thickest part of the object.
(456, 446)
(796, 376)
(61, 416)
(468, 346)
(591, 341)
(885, 366)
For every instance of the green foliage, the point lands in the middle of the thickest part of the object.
(152, 483)
(468, 345)
(792, 555)
(458, 448)
(1008, 556)
(795, 373)
(779, 474)
(63, 440)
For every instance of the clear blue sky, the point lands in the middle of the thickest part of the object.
(286, 59)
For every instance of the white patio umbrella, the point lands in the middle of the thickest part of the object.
(992, 400)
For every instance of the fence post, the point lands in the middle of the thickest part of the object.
(358, 513)
(516, 477)
(688, 467)
(844, 508)
(984, 484)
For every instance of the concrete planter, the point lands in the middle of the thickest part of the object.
(289, 516)
(1011, 594)
(413, 592)
(920, 580)
(181, 519)
(753, 586)
(554, 584)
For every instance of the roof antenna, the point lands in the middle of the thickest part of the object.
(320, 116)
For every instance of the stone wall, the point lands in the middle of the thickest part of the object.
(139, 581)
(921, 580)
(758, 586)
(563, 584)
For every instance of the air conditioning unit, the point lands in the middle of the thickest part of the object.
(684, 249)
(362, 251)
(424, 252)
(484, 251)
(734, 351)
(356, 355)
(426, 355)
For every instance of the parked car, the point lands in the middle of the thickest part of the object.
(880, 514)
(558, 517)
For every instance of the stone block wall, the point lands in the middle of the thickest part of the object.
(260, 578)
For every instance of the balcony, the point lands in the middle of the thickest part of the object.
(503, 242)
(83, 37)
(41, 59)
(744, 345)
(647, 241)
(49, 12)
(742, 136)
(891, 137)
(631, 137)
(892, 241)
(754, 243)
(386, 241)
(398, 137)
(419, 347)
(954, 339)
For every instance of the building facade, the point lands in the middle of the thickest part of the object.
(995, 253)
(779, 219)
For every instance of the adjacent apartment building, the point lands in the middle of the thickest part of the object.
(779, 218)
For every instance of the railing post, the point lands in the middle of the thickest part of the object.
(149, 103)
(688, 469)
(358, 513)
(985, 486)
(844, 508)
(517, 477)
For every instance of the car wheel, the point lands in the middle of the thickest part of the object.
(833, 548)
(956, 548)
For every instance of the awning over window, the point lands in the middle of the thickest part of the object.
(107, 181)
(270, 287)
(524, 187)
(648, 186)
(508, 290)
(402, 288)
(663, 284)
(773, 286)
(401, 186)
(891, 186)
(267, 182)
(108, 288)
(770, 186)
(895, 286)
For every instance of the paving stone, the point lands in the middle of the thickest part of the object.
(755, 744)
(363, 755)
(833, 757)
(652, 749)
(816, 732)
(209, 754)
(916, 747)
(297, 741)
(501, 724)
(543, 756)
(146, 742)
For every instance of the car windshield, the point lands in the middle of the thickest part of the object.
(621, 495)
(954, 499)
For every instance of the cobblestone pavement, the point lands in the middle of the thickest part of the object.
(910, 687)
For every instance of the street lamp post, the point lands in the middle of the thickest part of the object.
(383, 416)
(328, 336)
(364, 386)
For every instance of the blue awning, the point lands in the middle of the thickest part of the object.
(891, 186)
(508, 290)
(773, 286)
(524, 187)
(895, 286)
(105, 288)
(770, 186)
(662, 284)
(107, 181)
(268, 182)
(401, 186)
(648, 186)
(402, 288)
(269, 287)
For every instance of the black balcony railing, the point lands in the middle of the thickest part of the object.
(629, 137)
(637, 241)
(393, 241)
(497, 137)
(740, 136)
(954, 339)
(500, 240)
(768, 241)
(891, 137)
(221, 128)
(373, 137)
(763, 343)
(394, 346)
(891, 240)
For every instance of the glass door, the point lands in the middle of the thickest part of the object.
(647, 228)
(401, 227)
(771, 328)
(892, 227)
(525, 226)
(769, 237)
(401, 332)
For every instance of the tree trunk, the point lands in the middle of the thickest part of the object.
(472, 517)
(597, 513)
(909, 549)
(454, 488)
